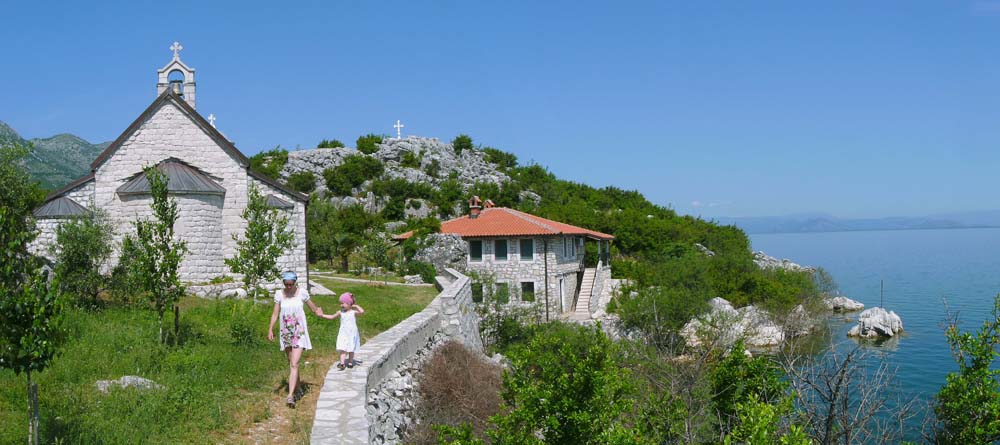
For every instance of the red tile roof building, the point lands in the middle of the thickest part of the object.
(532, 260)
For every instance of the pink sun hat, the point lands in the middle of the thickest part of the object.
(347, 297)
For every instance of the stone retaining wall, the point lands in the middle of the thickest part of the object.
(345, 411)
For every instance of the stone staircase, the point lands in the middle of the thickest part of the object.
(582, 311)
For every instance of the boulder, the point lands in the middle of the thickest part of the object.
(128, 381)
(444, 250)
(705, 250)
(877, 322)
(725, 325)
(413, 279)
(843, 304)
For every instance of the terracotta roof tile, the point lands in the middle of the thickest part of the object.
(502, 221)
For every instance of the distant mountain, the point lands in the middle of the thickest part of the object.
(828, 223)
(56, 160)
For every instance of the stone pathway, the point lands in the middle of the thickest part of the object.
(318, 289)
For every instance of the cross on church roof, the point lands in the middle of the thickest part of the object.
(399, 128)
(176, 48)
(211, 119)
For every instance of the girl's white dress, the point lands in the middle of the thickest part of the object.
(348, 338)
(292, 327)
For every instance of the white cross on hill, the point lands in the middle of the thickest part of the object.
(399, 128)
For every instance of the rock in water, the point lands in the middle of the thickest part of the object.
(843, 304)
(877, 322)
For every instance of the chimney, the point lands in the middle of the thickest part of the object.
(489, 204)
(475, 206)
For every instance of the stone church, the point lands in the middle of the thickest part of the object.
(208, 177)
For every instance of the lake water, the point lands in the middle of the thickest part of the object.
(921, 270)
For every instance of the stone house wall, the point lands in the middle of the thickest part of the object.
(514, 271)
(83, 195)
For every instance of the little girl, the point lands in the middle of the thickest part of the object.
(348, 338)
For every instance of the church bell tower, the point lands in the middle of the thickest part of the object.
(177, 76)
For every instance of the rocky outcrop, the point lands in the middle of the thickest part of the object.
(843, 304)
(764, 261)
(875, 323)
(444, 251)
(435, 162)
(723, 325)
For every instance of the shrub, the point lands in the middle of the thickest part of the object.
(82, 246)
(410, 160)
(449, 194)
(461, 143)
(303, 181)
(433, 169)
(394, 210)
(457, 386)
(332, 143)
(968, 405)
(401, 188)
(368, 144)
(739, 379)
(426, 271)
(353, 172)
(269, 163)
(502, 159)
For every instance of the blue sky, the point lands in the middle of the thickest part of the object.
(856, 108)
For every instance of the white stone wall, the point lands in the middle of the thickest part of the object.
(83, 195)
(295, 260)
(200, 221)
(514, 271)
(170, 133)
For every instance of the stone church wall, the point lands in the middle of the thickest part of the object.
(83, 195)
(200, 220)
(171, 133)
(295, 260)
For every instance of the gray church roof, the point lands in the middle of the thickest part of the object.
(278, 203)
(61, 207)
(182, 178)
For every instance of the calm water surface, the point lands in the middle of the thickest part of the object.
(922, 269)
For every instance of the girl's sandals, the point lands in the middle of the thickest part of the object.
(291, 402)
(350, 364)
(340, 366)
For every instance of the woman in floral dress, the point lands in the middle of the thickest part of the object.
(289, 308)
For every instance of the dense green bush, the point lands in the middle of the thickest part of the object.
(502, 159)
(401, 188)
(461, 143)
(368, 143)
(425, 270)
(410, 160)
(739, 379)
(303, 181)
(968, 405)
(394, 210)
(449, 195)
(433, 169)
(82, 245)
(269, 163)
(353, 172)
(332, 143)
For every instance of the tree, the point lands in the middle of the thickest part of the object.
(82, 246)
(30, 310)
(303, 181)
(968, 405)
(368, 143)
(502, 159)
(376, 250)
(266, 237)
(332, 143)
(158, 255)
(461, 143)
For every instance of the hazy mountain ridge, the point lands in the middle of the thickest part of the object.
(55, 160)
(811, 223)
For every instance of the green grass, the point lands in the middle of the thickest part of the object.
(214, 388)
